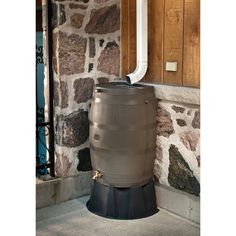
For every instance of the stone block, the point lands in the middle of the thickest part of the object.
(72, 130)
(196, 120)
(190, 139)
(61, 94)
(164, 122)
(109, 60)
(83, 89)
(92, 49)
(68, 53)
(181, 122)
(76, 20)
(180, 175)
(104, 20)
(178, 109)
(90, 67)
(62, 165)
(58, 15)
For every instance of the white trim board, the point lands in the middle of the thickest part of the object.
(179, 94)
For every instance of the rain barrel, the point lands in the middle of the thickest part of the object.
(123, 134)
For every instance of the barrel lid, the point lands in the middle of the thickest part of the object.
(123, 87)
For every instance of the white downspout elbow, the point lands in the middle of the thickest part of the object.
(142, 42)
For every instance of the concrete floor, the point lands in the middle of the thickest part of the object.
(73, 219)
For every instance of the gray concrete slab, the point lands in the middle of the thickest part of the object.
(59, 190)
(178, 202)
(72, 218)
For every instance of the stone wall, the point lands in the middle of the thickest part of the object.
(86, 39)
(177, 162)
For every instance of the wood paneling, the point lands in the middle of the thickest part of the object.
(132, 35)
(191, 54)
(173, 40)
(128, 42)
(173, 36)
(155, 41)
(125, 37)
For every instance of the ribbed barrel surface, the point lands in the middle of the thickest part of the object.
(123, 133)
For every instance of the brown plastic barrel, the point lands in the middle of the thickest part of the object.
(123, 133)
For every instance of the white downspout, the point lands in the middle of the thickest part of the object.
(142, 42)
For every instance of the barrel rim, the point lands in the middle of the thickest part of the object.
(123, 87)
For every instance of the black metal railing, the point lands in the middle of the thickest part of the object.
(45, 130)
(42, 131)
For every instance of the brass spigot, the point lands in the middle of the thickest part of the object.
(97, 175)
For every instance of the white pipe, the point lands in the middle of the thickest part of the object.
(142, 42)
